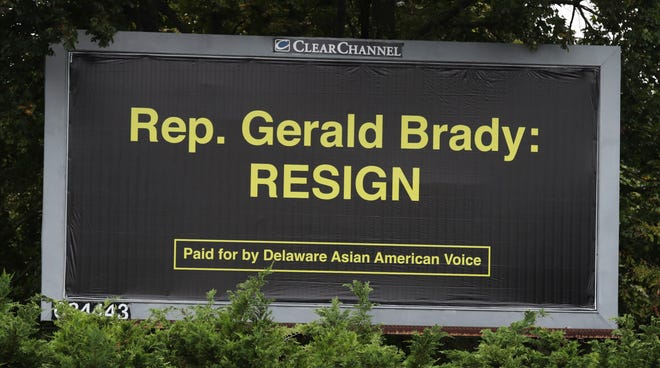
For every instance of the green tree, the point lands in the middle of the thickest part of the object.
(634, 25)
(27, 28)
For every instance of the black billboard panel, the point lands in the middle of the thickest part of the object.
(453, 171)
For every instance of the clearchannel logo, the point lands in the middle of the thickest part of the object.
(282, 45)
(338, 47)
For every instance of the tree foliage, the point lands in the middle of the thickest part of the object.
(28, 27)
(635, 27)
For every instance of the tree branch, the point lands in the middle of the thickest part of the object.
(587, 22)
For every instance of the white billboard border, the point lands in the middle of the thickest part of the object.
(606, 58)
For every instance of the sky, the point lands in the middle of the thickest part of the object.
(578, 23)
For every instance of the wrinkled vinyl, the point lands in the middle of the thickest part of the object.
(440, 184)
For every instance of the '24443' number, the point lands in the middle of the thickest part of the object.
(120, 310)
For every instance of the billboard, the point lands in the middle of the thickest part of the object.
(462, 179)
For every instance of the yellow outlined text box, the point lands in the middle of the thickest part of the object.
(239, 245)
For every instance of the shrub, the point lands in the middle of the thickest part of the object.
(243, 334)
(424, 347)
(631, 348)
(344, 337)
(95, 340)
(20, 344)
(522, 344)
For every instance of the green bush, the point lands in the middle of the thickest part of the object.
(94, 340)
(631, 348)
(20, 344)
(346, 337)
(243, 334)
(424, 347)
(522, 344)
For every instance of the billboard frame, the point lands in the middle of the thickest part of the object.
(606, 58)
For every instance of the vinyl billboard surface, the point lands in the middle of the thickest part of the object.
(449, 185)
